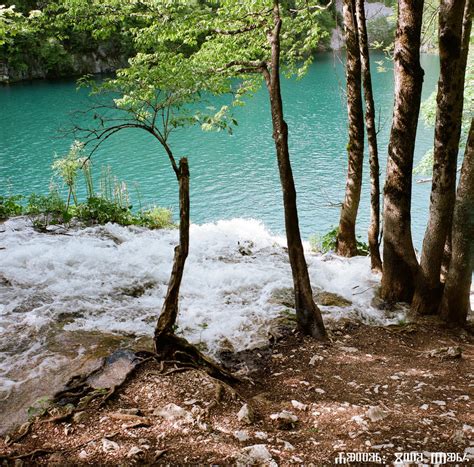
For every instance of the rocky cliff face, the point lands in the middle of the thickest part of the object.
(99, 61)
(373, 11)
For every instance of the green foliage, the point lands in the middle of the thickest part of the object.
(98, 210)
(110, 205)
(324, 243)
(39, 408)
(381, 32)
(67, 168)
(429, 109)
(327, 242)
(10, 206)
(155, 218)
(46, 210)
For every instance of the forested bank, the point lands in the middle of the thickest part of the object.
(43, 39)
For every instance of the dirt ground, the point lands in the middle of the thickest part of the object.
(372, 394)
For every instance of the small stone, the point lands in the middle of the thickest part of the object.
(315, 358)
(132, 411)
(440, 403)
(173, 412)
(190, 402)
(246, 415)
(134, 452)
(285, 419)
(299, 405)
(446, 353)
(256, 454)
(424, 407)
(79, 417)
(349, 349)
(375, 414)
(83, 454)
(458, 437)
(261, 435)
(56, 458)
(320, 391)
(242, 436)
(288, 446)
(108, 445)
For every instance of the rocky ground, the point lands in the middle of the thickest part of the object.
(383, 391)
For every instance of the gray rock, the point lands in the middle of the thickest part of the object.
(285, 420)
(242, 436)
(256, 454)
(299, 405)
(375, 414)
(246, 414)
(109, 445)
(173, 412)
(134, 452)
(79, 417)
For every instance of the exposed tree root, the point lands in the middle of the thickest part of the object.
(170, 346)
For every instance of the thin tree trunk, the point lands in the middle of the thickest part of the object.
(455, 303)
(169, 312)
(374, 228)
(399, 260)
(307, 313)
(453, 52)
(346, 244)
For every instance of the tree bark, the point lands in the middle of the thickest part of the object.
(399, 260)
(169, 311)
(308, 315)
(453, 52)
(346, 243)
(455, 303)
(374, 228)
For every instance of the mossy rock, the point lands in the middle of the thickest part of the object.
(285, 296)
(331, 299)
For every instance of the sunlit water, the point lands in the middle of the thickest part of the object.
(231, 175)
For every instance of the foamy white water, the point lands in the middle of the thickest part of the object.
(113, 279)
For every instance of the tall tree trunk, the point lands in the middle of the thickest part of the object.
(374, 228)
(455, 303)
(169, 312)
(308, 314)
(346, 244)
(399, 260)
(453, 50)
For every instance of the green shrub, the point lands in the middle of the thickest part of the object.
(47, 210)
(99, 210)
(327, 242)
(155, 218)
(10, 206)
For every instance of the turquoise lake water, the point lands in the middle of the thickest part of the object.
(231, 175)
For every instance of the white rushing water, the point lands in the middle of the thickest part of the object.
(113, 279)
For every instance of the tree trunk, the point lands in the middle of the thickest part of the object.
(169, 312)
(399, 260)
(453, 58)
(455, 303)
(308, 315)
(374, 228)
(346, 244)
